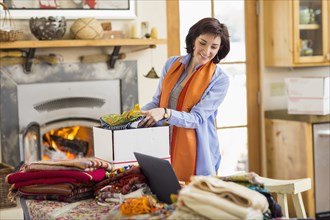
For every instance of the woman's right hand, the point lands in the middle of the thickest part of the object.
(152, 117)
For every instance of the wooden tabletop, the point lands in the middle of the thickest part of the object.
(283, 114)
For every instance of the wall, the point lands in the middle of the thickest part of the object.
(274, 96)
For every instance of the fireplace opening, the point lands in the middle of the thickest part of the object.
(67, 143)
(69, 138)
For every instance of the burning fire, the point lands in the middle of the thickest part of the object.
(61, 149)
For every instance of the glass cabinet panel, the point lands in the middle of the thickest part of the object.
(296, 33)
(310, 28)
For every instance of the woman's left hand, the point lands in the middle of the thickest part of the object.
(152, 117)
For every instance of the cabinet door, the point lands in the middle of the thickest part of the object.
(310, 25)
(289, 152)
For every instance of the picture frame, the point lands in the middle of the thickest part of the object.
(104, 9)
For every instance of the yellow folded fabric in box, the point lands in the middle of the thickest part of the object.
(122, 121)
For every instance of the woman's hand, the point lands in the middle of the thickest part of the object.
(152, 117)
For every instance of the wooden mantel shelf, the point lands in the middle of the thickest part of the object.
(32, 45)
(79, 43)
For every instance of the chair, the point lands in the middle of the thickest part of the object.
(288, 187)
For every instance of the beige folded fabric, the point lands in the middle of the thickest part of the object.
(216, 199)
(85, 164)
(184, 213)
(239, 194)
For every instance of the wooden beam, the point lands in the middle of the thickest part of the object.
(173, 28)
(253, 88)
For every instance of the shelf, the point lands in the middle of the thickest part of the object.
(309, 26)
(32, 45)
(79, 43)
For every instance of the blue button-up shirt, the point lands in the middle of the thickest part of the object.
(201, 117)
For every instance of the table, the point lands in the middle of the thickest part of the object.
(84, 209)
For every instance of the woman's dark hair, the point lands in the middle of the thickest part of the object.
(209, 26)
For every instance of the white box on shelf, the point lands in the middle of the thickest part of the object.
(308, 87)
(118, 146)
(308, 106)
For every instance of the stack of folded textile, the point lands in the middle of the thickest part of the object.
(61, 180)
(212, 198)
(122, 183)
(126, 120)
(253, 181)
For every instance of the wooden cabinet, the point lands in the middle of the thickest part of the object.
(290, 150)
(296, 33)
(289, 155)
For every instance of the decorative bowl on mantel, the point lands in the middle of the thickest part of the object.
(51, 28)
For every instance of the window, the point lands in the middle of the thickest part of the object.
(232, 120)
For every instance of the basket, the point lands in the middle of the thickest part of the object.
(8, 31)
(4, 186)
(87, 29)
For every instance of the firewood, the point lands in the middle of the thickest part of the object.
(11, 53)
(7, 61)
(72, 146)
(99, 58)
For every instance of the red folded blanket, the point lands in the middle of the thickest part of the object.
(80, 176)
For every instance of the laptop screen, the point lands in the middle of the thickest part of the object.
(160, 174)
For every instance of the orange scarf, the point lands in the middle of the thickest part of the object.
(184, 142)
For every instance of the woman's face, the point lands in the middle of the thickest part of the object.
(206, 48)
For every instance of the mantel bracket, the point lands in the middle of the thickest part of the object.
(29, 59)
(114, 57)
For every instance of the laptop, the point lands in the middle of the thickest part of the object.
(160, 174)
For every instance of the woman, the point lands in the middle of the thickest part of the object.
(190, 90)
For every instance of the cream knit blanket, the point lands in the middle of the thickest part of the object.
(216, 199)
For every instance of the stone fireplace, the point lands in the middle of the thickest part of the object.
(53, 102)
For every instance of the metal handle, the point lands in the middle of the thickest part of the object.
(327, 56)
(323, 133)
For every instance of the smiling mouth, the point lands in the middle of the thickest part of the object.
(204, 56)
